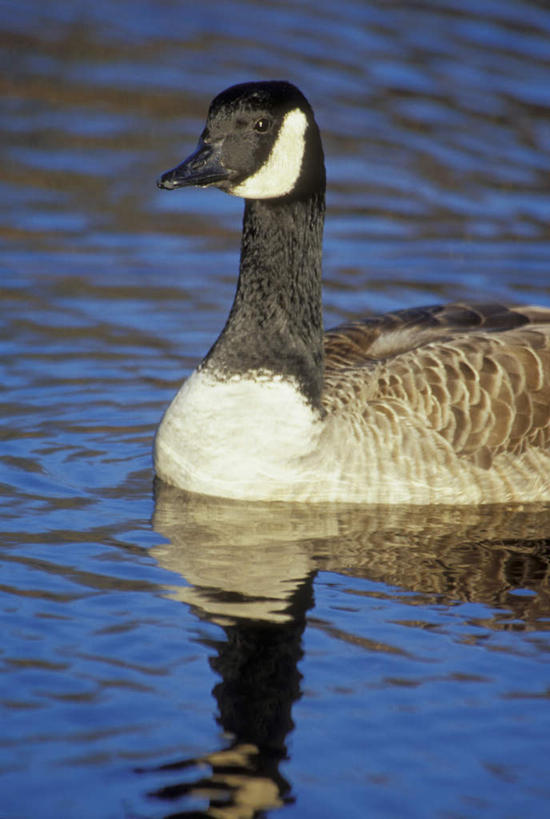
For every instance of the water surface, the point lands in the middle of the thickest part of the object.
(165, 655)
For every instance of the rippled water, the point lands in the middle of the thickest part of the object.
(169, 656)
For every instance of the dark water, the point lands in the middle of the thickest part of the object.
(171, 656)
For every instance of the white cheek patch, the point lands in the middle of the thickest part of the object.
(280, 172)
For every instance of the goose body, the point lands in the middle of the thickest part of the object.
(444, 404)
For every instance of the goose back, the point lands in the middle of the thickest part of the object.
(458, 394)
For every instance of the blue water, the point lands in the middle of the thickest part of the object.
(164, 655)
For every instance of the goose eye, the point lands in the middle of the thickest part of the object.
(262, 125)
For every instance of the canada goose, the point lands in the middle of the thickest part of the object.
(431, 405)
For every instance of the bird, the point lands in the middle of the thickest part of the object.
(443, 404)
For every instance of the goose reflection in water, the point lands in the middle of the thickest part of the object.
(250, 569)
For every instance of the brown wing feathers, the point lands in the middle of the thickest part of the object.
(479, 375)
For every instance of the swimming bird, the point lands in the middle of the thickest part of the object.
(435, 405)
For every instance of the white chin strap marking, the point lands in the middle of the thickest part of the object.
(280, 172)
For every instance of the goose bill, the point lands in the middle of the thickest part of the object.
(204, 167)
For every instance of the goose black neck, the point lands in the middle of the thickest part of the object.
(275, 325)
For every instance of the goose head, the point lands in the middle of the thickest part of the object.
(260, 141)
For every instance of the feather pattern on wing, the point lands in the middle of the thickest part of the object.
(478, 375)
